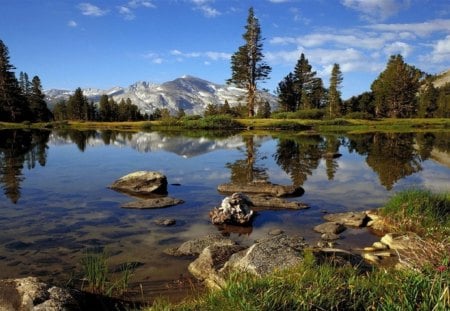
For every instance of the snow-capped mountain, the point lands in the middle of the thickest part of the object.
(189, 93)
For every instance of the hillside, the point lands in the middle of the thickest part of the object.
(441, 79)
(188, 93)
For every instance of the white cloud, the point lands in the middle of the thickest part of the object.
(126, 12)
(205, 7)
(91, 10)
(211, 55)
(441, 51)
(154, 57)
(376, 9)
(420, 29)
(72, 24)
(141, 3)
(398, 48)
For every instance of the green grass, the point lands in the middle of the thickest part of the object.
(313, 286)
(420, 211)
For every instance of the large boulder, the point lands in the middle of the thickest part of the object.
(267, 255)
(31, 294)
(195, 247)
(262, 188)
(141, 183)
(234, 209)
(330, 227)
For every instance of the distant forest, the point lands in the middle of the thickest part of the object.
(400, 91)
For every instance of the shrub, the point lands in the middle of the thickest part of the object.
(313, 114)
(359, 115)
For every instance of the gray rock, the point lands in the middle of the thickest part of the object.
(141, 183)
(329, 236)
(234, 210)
(266, 255)
(352, 219)
(210, 261)
(165, 222)
(266, 202)
(31, 294)
(275, 232)
(158, 202)
(262, 188)
(195, 247)
(330, 227)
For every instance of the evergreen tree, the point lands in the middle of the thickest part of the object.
(306, 84)
(211, 110)
(395, 89)
(264, 109)
(76, 106)
(24, 83)
(13, 105)
(287, 95)
(428, 96)
(247, 65)
(104, 108)
(60, 111)
(38, 106)
(443, 102)
(334, 94)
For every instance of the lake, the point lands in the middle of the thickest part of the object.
(55, 203)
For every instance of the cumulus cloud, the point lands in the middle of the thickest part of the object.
(441, 51)
(398, 48)
(91, 10)
(205, 7)
(373, 10)
(155, 58)
(127, 10)
(420, 29)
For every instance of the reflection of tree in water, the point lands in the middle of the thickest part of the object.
(16, 148)
(299, 157)
(332, 145)
(245, 171)
(391, 155)
(80, 138)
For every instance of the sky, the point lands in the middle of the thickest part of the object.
(108, 43)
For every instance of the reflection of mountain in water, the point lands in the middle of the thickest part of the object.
(147, 142)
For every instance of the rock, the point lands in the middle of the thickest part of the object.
(141, 183)
(330, 227)
(234, 209)
(262, 188)
(352, 219)
(31, 294)
(266, 255)
(371, 258)
(165, 222)
(329, 236)
(380, 246)
(158, 202)
(210, 261)
(195, 247)
(396, 241)
(275, 232)
(265, 202)
(340, 257)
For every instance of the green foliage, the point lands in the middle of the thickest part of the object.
(212, 122)
(323, 286)
(359, 115)
(334, 93)
(314, 114)
(420, 211)
(395, 89)
(287, 95)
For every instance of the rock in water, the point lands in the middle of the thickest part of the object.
(142, 183)
(234, 209)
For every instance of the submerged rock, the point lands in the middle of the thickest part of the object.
(141, 183)
(158, 202)
(262, 188)
(234, 209)
(195, 247)
(352, 219)
(266, 202)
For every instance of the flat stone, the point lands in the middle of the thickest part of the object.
(141, 183)
(262, 188)
(371, 257)
(151, 203)
(352, 219)
(396, 241)
(267, 202)
(196, 246)
(275, 232)
(330, 227)
(379, 245)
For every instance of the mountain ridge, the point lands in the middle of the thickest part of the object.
(192, 94)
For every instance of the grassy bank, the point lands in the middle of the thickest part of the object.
(225, 123)
(314, 286)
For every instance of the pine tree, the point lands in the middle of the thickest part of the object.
(428, 96)
(76, 105)
(287, 95)
(247, 65)
(334, 94)
(36, 99)
(305, 83)
(395, 89)
(13, 105)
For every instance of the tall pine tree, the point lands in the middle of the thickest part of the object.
(36, 99)
(247, 65)
(334, 93)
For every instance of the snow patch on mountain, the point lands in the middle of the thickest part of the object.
(189, 93)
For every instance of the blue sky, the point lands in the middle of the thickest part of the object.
(107, 43)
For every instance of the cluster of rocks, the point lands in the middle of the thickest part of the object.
(338, 223)
(150, 187)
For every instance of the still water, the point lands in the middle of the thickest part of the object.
(55, 203)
